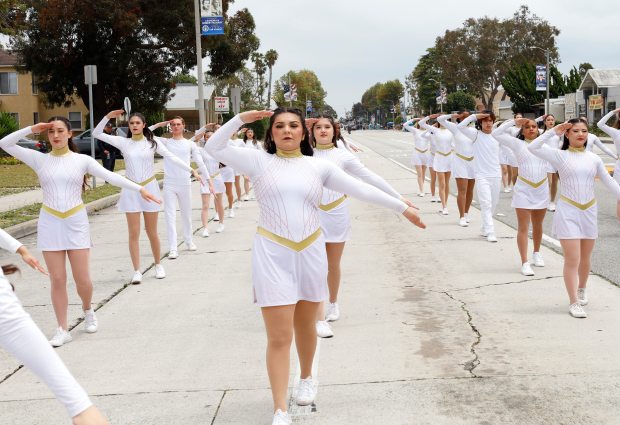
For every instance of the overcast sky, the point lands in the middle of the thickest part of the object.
(352, 44)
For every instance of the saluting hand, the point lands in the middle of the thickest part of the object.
(251, 116)
(560, 129)
(115, 114)
(521, 121)
(41, 127)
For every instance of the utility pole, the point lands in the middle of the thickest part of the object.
(201, 76)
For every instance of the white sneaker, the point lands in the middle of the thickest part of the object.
(483, 233)
(205, 233)
(231, 213)
(491, 237)
(444, 211)
(136, 279)
(305, 392)
(421, 194)
(219, 229)
(333, 312)
(216, 217)
(173, 254)
(191, 246)
(60, 338)
(160, 273)
(281, 418)
(463, 222)
(538, 260)
(323, 330)
(467, 218)
(435, 199)
(576, 310)
(90, 321)
(526, 269)
(551, 207)
(237, 204)
(507, 190)
(582, 297)
(245, 198)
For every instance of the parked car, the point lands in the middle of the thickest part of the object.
(33, 144)
(82, 141)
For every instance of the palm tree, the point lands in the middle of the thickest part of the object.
(271, 56)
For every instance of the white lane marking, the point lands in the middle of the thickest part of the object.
(545, 237)
(293, 409)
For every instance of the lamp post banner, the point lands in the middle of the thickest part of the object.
(211, 17)
(541, 78)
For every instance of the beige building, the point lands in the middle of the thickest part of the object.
(19, 96)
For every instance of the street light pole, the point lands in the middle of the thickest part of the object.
(201, 76)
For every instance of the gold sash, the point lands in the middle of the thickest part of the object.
(531, 183)
(296, 246)
(444, 154)
(422, 150)
(582, 207)
(465, 158)
(215, 175)
(334, 204)
(145, 182)
(61, 214)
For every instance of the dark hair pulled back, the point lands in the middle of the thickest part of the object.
(565, 143)
(71, 144)
(148, 134)
(270, 145)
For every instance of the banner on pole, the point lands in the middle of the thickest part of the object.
(221, 104)
(308, 106)
(211, 17)
(290, 93)
(541, 78)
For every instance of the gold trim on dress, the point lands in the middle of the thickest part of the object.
(465, 158)
(145, 182)
(325, 147)
(572, 149)
(422, 150)
(576, 204)
(215, 175)
(445, 154)
(296, 246)
(60, 152)
(137, 137)
(332, 205)
(531, 183)
(296, 153)
(61, 214)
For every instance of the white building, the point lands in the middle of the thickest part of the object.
(598, 93)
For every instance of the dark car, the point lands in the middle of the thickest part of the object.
(82, 141)
(33, 144)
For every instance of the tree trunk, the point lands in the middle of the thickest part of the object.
(269, 91)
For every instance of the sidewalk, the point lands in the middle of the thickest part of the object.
(437, 327)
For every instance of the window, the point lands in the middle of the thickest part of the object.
(35, 118)
(8, 82)
(76, 120)
(611, 106)
(35, 87)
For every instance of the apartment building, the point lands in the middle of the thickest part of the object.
(19, 96)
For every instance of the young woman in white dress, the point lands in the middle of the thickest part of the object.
(63, 231)
(249, 138)
(289, 260)
(213, 166)
(442, 162)
(139, 148)
(575, 220)
(462, 165)
(24, 340)
(531, 192)
(178, 184)
(421, 158)
(548, 122)
(334, 214)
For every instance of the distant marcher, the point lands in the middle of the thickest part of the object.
(613, 132)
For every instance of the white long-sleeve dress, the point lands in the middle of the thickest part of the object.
(289, 261)
(531, 191)
(614, 133)
(213, 167)
(444, 147)
(139, 155)
(63, 221)
(462, 163)
(576, 216)
(421, 150)
(334, 214)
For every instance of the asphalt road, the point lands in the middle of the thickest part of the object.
(398, 146)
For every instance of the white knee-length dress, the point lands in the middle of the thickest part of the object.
(421, 155)
(289, 261)
(444, 147)
(463, 161)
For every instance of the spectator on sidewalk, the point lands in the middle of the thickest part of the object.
(108, 152)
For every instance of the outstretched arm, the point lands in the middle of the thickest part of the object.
(605, 149)
(354, 166)
(606, 179)
(98, 133)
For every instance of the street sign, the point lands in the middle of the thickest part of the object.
(127, 106)
(221, 104)
(90, 74)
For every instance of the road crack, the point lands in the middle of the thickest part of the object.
(472, 364)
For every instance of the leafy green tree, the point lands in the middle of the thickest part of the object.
(573, 80)
(478, 55)
(584, 67)
(137, 45)
(308, 87)
(426, 76)
(460, 101)
(358, 112)
(181, 78)
(260, 67)
(328, 110)
(8, 125)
